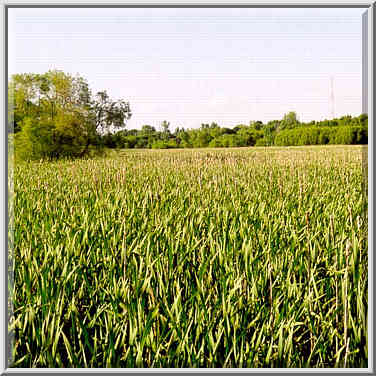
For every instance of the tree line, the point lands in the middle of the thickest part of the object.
(289, 131)
(56, 115)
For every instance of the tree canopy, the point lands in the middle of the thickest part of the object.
(285, 132)
(55, 114)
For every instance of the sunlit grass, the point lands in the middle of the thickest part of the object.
(192, 258)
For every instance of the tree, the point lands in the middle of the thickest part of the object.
(182, 138)
(289, 121)
(165, 129)
(55, 115)
(203, 138)
(110, 115)
(363, 119)
(248, 136)
(257, 125)
(74, 133)
(45, 95)
(36, 139)
(50, 109)
(22, 100)
(147, 130)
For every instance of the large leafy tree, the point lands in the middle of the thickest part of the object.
(54, 114)
(46, 95)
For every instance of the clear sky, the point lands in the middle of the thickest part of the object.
(193, 66)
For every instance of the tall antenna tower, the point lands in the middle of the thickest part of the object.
(332, 97)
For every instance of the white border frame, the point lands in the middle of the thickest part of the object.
(192, 3)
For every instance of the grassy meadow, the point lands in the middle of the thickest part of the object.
(240, 257)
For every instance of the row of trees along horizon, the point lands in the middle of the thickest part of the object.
(56, 115)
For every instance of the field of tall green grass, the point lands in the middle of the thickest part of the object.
(248, 257)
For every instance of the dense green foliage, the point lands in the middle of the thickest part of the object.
(350, 135)
(194, 258)
(288, 131)
(54, 115)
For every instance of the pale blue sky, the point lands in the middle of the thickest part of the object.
(193, 66)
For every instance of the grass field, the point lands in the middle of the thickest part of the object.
(252, 257)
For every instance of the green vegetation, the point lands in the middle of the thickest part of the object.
(55, 115)
(289, 131)
(286, 132)
(192, 258)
